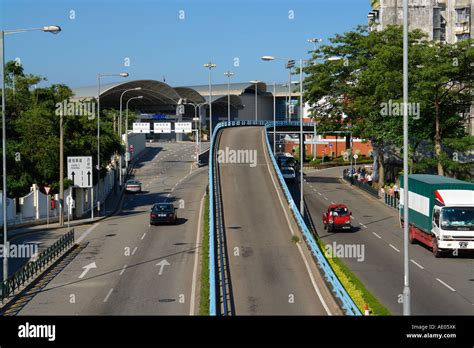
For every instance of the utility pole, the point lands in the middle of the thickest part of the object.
(61, 169)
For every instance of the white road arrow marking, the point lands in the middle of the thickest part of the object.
(87, 268)
(162, 265)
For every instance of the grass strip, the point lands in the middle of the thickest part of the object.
(204, 296)
(356, 289)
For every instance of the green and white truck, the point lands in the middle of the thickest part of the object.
(441, 212)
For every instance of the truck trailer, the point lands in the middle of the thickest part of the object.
(441, 212)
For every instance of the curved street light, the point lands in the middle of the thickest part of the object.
(51, 29)
(210, 66)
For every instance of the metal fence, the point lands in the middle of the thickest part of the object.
(362, 185)
(338, 289)
(32, 268)
(391, 201)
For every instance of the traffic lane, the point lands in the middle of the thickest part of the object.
(380, 224)
(110, 244)
(268, 274)
(454, 273)
(158, 279)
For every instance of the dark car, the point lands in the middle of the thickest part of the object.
(163, 213)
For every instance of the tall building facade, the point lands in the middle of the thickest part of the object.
(447, 21)
(442, 20)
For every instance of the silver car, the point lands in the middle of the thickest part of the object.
(133, 186)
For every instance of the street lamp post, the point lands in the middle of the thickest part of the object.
(274, 118)
(99, 76)
(314, 41)
(290, 64)
(54, 29)
(120, 128)
(406, 283)
(302, 140)
(256, 82)
(210, 66)
(229, 74)
(126, 124)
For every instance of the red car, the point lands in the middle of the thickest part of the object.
(337, 217)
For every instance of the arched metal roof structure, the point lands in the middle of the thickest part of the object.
(157, 96)
(190, 94)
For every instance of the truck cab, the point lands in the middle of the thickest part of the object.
(453, 221)
(337, 217)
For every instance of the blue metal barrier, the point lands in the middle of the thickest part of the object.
(348, 304)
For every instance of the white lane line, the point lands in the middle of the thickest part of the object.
(144, 234)
(326, 198)
(416, 263)
(135, 249)
(84, 235)
(376, 235)
(391, 246)
(123, 269)
(108, 295)
(360, 223)
(446, 285)
(352, 217)
(313, 281)
(319, 193)
(332, 202)
(196, 259)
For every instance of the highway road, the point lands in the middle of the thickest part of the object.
(438, 286)
(135, 268)
(270, 274)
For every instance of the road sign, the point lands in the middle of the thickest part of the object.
(356, 156)
(330, 145)
(162, 127)
(183, 127)
(47, 189)
(79, 170)
(141, 127)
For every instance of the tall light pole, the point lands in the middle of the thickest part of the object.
(406, 283)
(291, 63)
(120, 127)
(229, 74)
(210, 66)
(126, 123)
(256, 82)
(54, 29)
(314, 41)
(274, 118)
(99, 76)
(302, 140)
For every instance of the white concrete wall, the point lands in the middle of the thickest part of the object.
(11, 208)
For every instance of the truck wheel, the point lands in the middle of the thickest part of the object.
(411, 237)
(436, 251)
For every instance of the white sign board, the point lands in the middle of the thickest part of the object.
(141, 127)
(162, 127)
(183, 127)
(79, 170)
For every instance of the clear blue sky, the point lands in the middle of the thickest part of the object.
(159, 43)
